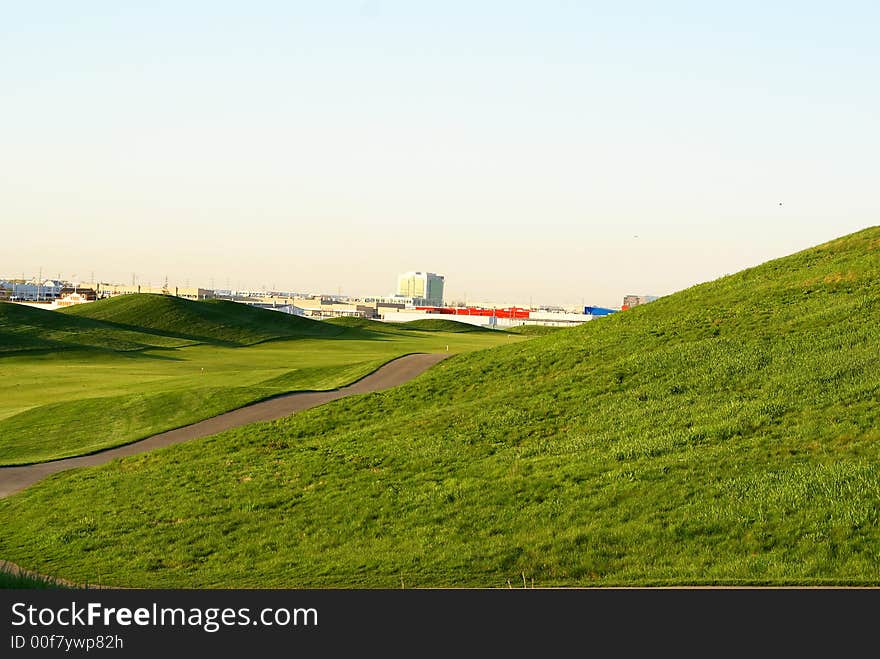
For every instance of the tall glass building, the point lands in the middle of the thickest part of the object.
(427, 286)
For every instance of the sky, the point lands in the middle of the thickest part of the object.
(545, 152)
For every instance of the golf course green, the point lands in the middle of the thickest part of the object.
(728, 434)
(114, 371)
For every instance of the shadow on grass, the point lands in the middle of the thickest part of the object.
(15, 577)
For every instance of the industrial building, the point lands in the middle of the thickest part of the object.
(188, 292)
(45, 290)
(71, 295)
(630, 301)
(490, 317)
(598, 311)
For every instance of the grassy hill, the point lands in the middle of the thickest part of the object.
(363, 326)
(535, 330)
(25, 328)
(204, 321)
(424, 325)
(727, 434)
(442, 325)
(144, 321)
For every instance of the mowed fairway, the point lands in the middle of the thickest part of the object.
(61, 403)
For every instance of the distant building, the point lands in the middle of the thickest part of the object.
(598, 311)
(32, 291)
(71, 295)
(630, 301)
(190, 293)
(423, 286)
(495, 318)
(336, 311)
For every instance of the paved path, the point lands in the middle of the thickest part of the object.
(398, 371)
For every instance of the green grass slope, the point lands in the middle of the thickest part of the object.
(363, 326)
(727, 434)
(25, 328)
(204, 320)
(62, 403)
(535, 330)
(424, 325)
(442, 325)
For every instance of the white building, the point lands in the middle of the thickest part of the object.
(549, 318)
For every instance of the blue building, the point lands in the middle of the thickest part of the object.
(598, 311)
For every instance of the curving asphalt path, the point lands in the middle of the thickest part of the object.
(398, 371)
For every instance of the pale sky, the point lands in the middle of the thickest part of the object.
(518, 148)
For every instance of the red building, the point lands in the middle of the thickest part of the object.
(506, 312)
